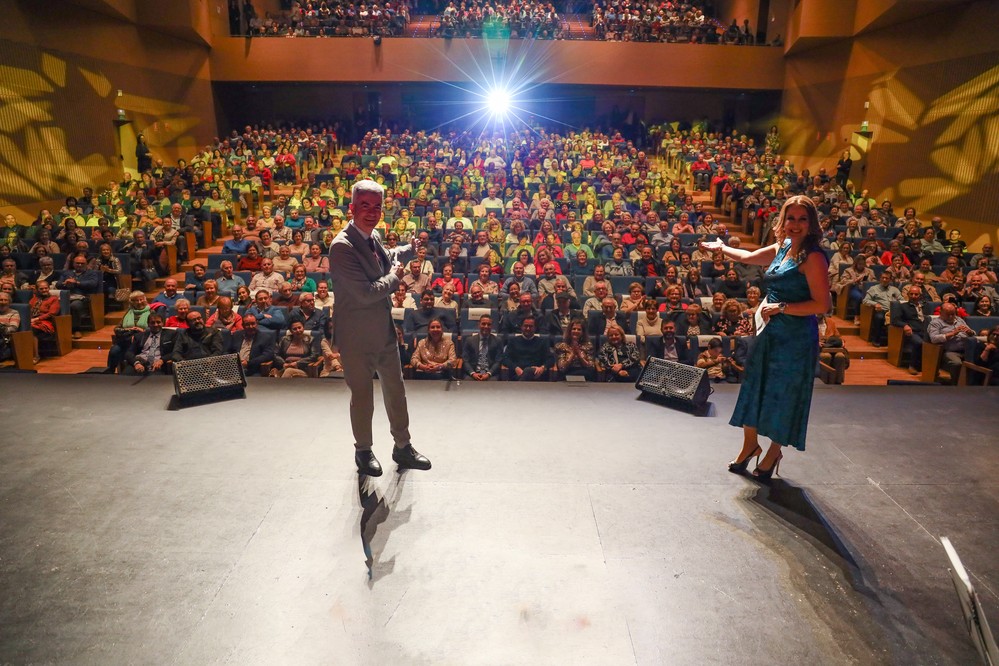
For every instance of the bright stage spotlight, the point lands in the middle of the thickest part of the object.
(498, 102)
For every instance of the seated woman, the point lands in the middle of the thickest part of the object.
(518, 245)
(447, 278)
(673, 252)
(635, 300)
(266, 247)
(179, 317)
(434, 357)
(731, 286)
(618, 358)
(284, 262)
(831, 349)
(297, 246)
(211, 296)
(330, 353)
(315, 261)
(225, 316)
(295, 352)
(300, 282)
(544, 257)
(251, 261)
(43, 309)
(619, 266)
(243, 299)
(984, 307)
(524, 259)
(649, 323)
(324, 299)
(731, 318)
(719, 368)
(574, 354)
(485, 281)
(447, 300)
(694, 287)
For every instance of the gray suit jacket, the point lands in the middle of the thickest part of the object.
(362, 289)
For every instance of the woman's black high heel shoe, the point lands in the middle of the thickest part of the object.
(740, 467)
(767, 475)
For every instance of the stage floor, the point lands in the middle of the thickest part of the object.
(561, 524)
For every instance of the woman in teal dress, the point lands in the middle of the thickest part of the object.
(777, 390)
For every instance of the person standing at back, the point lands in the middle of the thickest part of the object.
(364, 275)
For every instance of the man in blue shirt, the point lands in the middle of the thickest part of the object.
(227, 281)
(268, 316)
(237, 244)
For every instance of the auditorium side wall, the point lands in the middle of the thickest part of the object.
(64, 67)
(932, 87)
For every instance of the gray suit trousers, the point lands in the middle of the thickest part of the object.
(358, 371)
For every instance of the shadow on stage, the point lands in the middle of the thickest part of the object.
(792, 506)
(379, 516)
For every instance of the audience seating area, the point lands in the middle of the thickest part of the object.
(592, 205)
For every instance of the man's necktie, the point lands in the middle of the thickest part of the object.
(483, 360)
(375, 251)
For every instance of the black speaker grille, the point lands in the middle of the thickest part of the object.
(670, 379)
(208, 374)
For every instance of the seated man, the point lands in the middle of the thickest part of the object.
(81, 282)
(950, 331)
(550, 302)
(597, 323)
(237, 244)
(481, 352)
(669, 347)
(267, 315)
(267, 278)
(197, 340)
(416, 281)
(526, 284)
(513, 319)
(307, 313)
(928, 291)
(881, 296)
(286, 296)
(547, 284)
(168, 297)
(527, 356)
(227, 281)
(601, 290)
(912, 320)
(566, 310)
(591, 281)
(417, 321)
(150, 349)
(253, 345)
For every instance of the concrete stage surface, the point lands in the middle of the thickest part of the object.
(561, 524)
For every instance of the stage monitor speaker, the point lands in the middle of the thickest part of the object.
(209, 379)
(681, 384)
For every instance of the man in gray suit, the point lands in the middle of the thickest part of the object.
(364, 275)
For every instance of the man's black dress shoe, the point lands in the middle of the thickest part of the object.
(409, 458)
(367, 463)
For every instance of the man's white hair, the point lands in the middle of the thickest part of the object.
(366, 185)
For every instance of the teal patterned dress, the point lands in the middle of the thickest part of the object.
(776, 393)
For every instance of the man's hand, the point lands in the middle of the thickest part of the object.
(157, 364)
(518, 371)
(538, 371)
(399, 270)
(139, 368)
(907, 329)
(878, 307)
